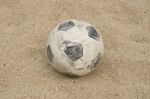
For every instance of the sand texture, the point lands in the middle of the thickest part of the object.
(124, 72)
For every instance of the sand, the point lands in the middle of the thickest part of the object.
(124, 72)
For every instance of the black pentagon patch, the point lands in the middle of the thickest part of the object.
(92, 32)
(95, 61)
(49, 53)
(66, 26)
(73, 50)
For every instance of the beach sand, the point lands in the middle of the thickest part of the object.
(124, 72)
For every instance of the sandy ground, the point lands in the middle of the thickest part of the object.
(123, 74)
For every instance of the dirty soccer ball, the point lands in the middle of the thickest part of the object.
(75, 48)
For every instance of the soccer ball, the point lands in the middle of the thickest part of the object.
(75, 48)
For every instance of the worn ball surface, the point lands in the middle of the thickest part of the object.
(75, 48)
